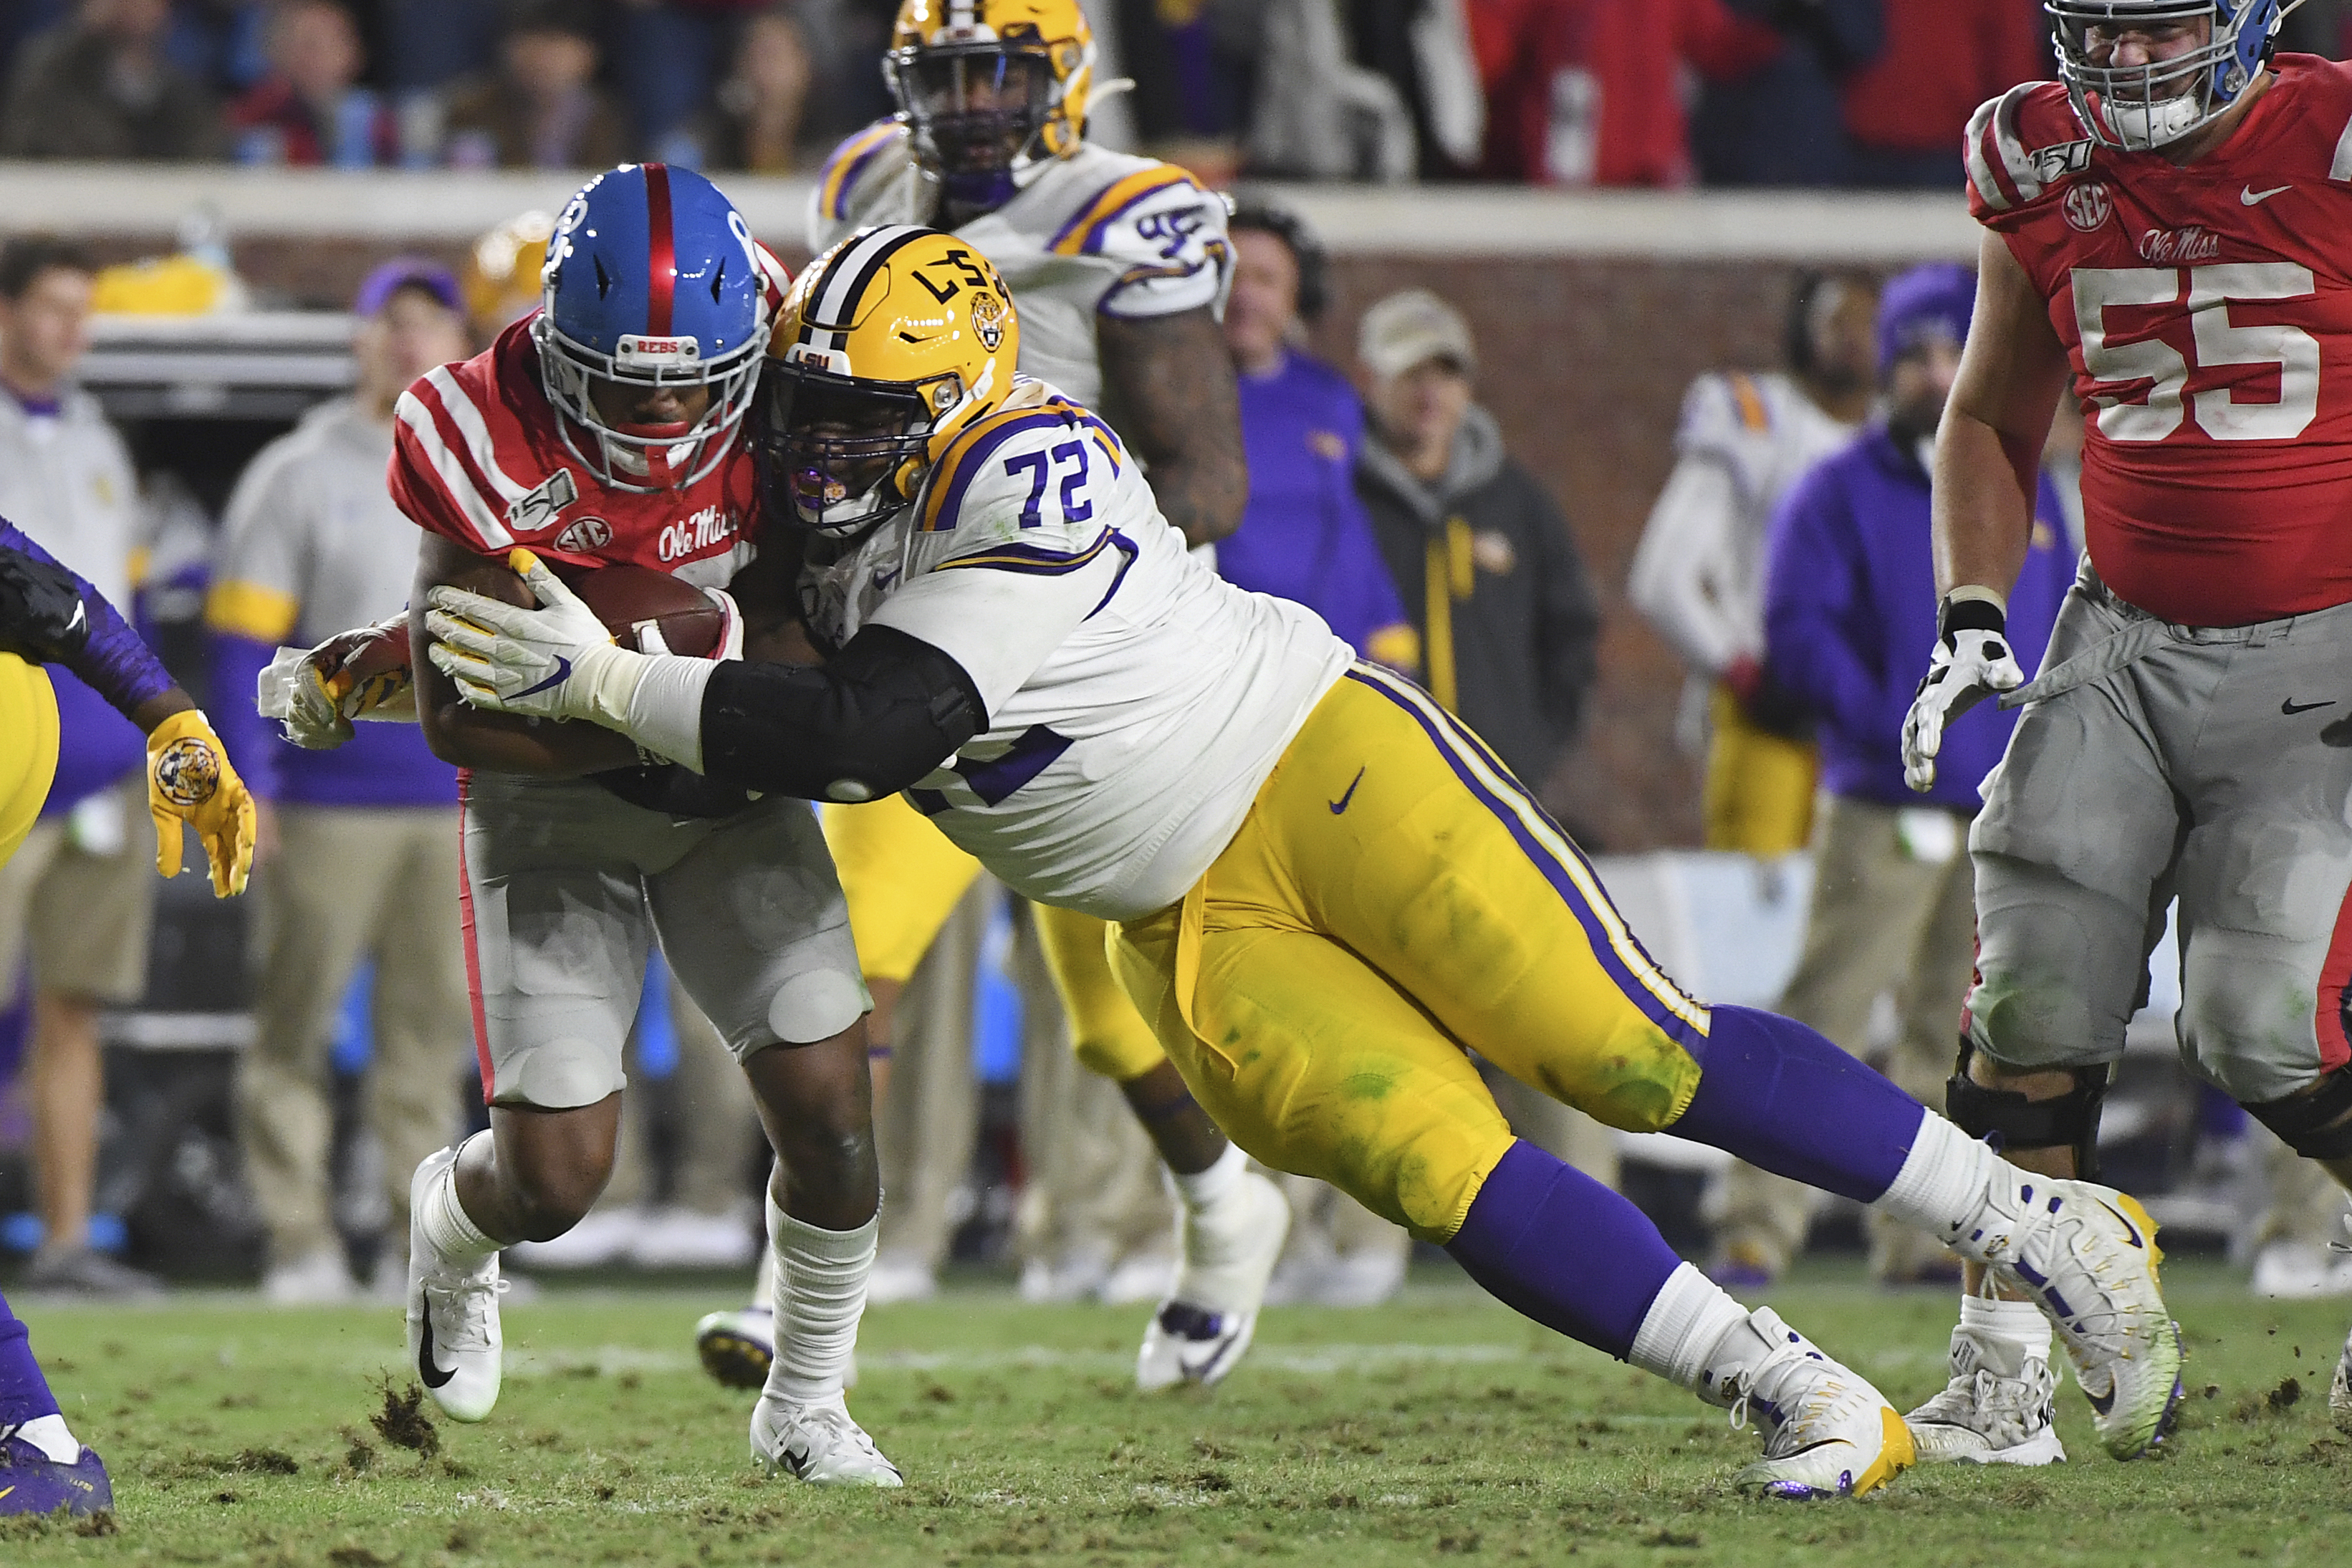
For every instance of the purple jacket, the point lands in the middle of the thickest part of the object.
(1850, 619)
(1304, 535)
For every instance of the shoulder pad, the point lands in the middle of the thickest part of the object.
(2020, 145)
(1165, 232)
(854, 176)
(1037, 473)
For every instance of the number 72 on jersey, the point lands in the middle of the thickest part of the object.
(2206, 293)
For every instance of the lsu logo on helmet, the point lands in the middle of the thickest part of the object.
(890, 343)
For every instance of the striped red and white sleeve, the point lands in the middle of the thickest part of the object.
(446, 476)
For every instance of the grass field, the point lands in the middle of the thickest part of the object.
(1437, 1428)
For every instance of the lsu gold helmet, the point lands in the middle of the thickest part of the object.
(991, 91)
(888, 345)
(501, 283)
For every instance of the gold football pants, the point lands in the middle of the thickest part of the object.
(28, 752)
(903, 878)
(1758, 796)
(1394, 901)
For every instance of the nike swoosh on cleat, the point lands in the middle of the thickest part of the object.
(1340, 804)
(2099, 1405)
(2131, 1231)
(563, 674)
(2251, 197)
(434, 1376)
(796, 1459)
(2290, 708)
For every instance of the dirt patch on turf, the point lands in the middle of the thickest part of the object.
(402, 1423)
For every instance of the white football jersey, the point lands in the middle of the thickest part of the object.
(1097, 233)
(1698, 574)
(1135, 700)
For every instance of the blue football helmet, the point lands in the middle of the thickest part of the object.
(652, 279)
(2144, 107)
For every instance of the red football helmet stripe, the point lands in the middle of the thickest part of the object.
(664, 246)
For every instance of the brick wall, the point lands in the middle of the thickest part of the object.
(1584, 364)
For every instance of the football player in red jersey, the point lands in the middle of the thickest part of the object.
(2165, 229)
(605, 429)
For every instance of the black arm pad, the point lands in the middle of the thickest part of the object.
(885, 711)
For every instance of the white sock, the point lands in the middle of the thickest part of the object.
(456, 1242)
(763, 1282)
(1683, 1326)
(2022, 1322)
(1943, 1184)
(1203, 1189)
(820, 1295)
(48, 1434)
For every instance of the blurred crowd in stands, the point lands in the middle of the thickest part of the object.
(1559, 92)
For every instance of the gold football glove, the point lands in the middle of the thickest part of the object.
(189, 780)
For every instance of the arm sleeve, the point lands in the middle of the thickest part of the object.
(1689, 529)
(114, 662)
(256, 584)
(1811, 602)
(1169, 237)
(879, 716)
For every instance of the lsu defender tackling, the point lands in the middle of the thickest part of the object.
(2162, 230)
(1119, 266)
(603, 429)
(1329, 894)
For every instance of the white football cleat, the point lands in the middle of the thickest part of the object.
(818, 1444)
(1206, 1324)
(2087, 1254)
(1997, 1410)
(1827, 1432)
(737, 1347)
(453, 1315)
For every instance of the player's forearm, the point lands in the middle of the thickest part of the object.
(1984, 491)
(1170, 383)
(876, 719)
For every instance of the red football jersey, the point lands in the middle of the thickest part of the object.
(2208, 311)
(478, 457)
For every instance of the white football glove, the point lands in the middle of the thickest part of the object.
(554, 662)
(1972, 661)
(315, 692)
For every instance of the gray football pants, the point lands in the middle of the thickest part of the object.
(2156, 759)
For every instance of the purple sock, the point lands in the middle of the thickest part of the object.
(1781, 1097)
(1549, 1241)
(24, 1393)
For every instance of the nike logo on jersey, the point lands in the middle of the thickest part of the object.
(1340, 804)
(563, 674)
(434, 1376)
(2292, 707)
(2254, 198)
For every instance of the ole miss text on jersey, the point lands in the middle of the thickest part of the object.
(2208, 312)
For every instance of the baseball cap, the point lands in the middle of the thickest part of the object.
(1409, 327)
(407, 272)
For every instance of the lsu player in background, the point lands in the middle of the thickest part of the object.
(1328, 892)
(50, 616)
(1745, 439)
(603, 429)
(2163, 233)
(1119, 266)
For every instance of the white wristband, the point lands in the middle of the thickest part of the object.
(665, 710)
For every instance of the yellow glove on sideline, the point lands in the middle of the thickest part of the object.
(189, 780)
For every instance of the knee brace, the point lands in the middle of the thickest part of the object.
(2317, 1125)
(2010, 1121)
